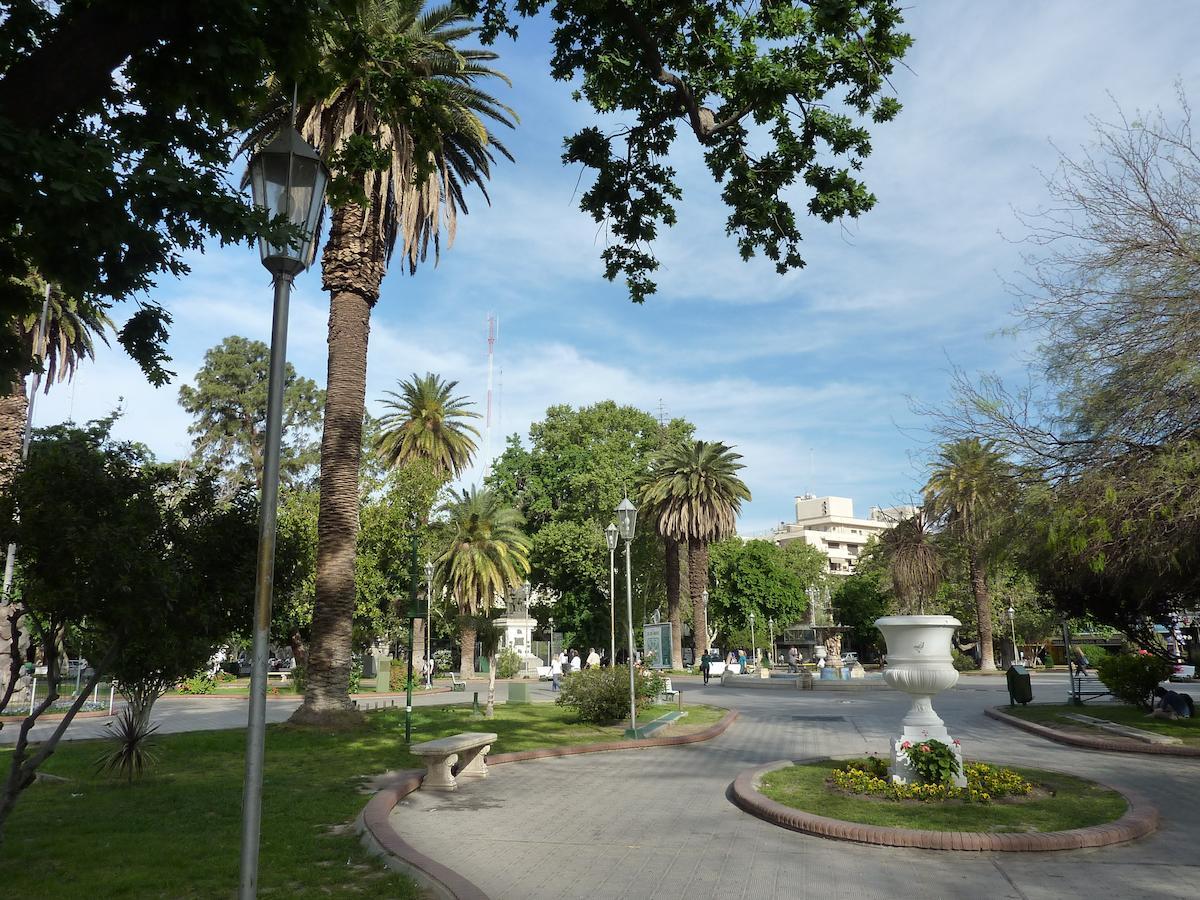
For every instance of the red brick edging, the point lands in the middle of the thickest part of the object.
(377, 833)
(1113, 745)
(1140, 819)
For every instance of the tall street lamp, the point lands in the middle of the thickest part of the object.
(753, 642)
(626, 521)
(429, 616)
(287, 179)
(610, 535)
(771, 650)
(1012, 625)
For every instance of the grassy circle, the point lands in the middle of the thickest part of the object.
(1063, 802)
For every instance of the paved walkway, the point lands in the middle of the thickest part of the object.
(657, 823)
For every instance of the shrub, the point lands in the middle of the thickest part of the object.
(1132, 677)
(442, 661)
(198, 684)
(133, 755)
(962, 662)
(300, 678)
(224, 677)
(933, 761)
(508, 663)
(356, 670)
(602, 695)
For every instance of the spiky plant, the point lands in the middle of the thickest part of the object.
(133, 754)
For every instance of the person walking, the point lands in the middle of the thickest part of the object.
(793, 658)
(556, 674)
(705, 665)
(576, 664)
(593, 659)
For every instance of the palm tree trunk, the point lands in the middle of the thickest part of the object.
(352, 269)
(13, 406)
(467, 633)
(698, 583)
(490, 712)
(418, 639)
(983, 606)
(674, 610)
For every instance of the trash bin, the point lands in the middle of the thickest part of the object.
(1020, 690)
(383, 674)
(518, 693)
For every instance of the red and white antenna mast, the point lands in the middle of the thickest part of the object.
(493, 329)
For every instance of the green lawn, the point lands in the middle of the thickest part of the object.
(176, 833)
(1074, 803)
(1051, 715)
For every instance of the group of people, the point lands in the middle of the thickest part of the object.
(569, 661)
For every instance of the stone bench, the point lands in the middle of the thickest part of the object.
(468, 750)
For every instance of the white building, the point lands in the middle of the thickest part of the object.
(829, 524)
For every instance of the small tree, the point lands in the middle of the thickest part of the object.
(151, 571)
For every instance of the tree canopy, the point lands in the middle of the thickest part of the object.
(567, 484)
(229, 406)
(777, 95)
(758, 576)
(115, 125)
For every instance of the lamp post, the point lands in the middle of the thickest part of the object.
(626, 522)
(429, 617)
(287, 178)
(771, 651)
(753, 642)
(1012, 625)
(610, 536)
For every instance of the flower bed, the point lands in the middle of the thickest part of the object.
(985, 783)
(1054, 803)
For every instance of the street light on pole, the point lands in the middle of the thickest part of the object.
(610, 536)
(287, 179)
(429, 617)
(771, 650)
(1012, 625)
(626, 522)
(753, 642)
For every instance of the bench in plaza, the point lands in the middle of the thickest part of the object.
(284, 676)
(450, 758)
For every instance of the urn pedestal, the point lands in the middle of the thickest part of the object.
(919, 663)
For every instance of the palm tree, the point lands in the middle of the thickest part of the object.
(485, 555)
(404, 129)
(968, 484)
(912, 562)
(69, 337)
(425, 422)
(696, 495)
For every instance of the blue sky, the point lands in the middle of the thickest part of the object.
(822, 359)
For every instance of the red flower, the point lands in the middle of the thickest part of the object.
(906, 745)
(924, 748)
(957, 742)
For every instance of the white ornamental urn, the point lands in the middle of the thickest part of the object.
(919, 663)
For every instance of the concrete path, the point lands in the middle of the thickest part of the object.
(657, 823)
